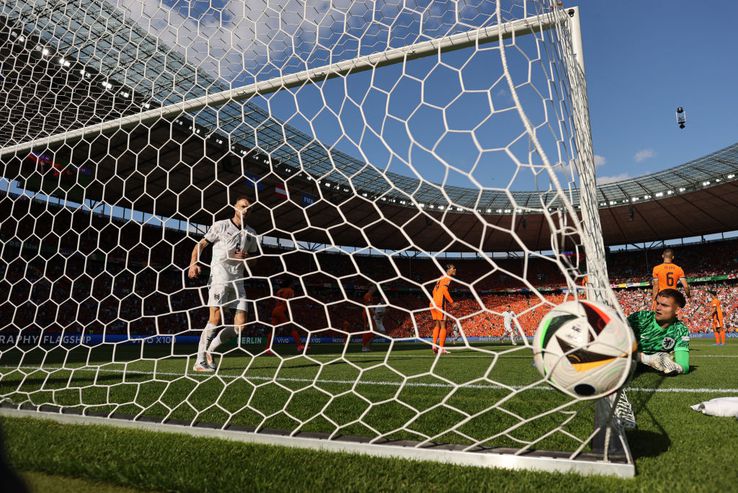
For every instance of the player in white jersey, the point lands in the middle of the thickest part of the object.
(456, 333)
(234, 245)
(375, 320)
(378, 317)
(508, 318)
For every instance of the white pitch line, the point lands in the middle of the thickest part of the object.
(713, 355)
(667, 390)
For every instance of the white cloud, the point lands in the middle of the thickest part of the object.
(601, 180)
(600, 160)
(248, 39)
(238, 37)
(644, 154)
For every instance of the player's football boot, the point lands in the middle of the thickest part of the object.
(202, 367)
(209, 361)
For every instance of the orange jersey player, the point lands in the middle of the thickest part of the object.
(280, 313)
(718, 327)
(366, 300)
(439, 306)
(281, 316)
(584, 284)
(668, 274)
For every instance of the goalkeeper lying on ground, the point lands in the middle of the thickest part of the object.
(663, 340)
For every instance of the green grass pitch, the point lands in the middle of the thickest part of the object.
(401, 396)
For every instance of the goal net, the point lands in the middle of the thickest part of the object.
(376, 142)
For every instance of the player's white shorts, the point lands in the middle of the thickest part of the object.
(227, 294)
(508, 329)
(379, 325)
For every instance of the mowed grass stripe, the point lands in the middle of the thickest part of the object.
(682, 390)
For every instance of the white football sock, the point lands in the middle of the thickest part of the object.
(205, 337)
(225, 335)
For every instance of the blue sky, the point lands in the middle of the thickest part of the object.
(645, 58)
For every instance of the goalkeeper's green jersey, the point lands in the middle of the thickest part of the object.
(653, 339)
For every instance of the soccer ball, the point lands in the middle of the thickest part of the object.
(584, 349)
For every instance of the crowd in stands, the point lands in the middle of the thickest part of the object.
(697, 314)
(73, 272)
(698, 260)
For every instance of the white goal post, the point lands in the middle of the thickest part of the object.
(376, 143)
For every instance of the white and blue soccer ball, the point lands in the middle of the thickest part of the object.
(584, 349)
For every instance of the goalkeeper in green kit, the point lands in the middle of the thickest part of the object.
(663, 340)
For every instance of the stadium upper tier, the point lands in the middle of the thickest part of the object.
(98, 64)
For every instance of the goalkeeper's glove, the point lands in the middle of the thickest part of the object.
(661, 362)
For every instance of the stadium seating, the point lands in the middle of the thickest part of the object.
(103, 278)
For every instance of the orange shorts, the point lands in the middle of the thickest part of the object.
(279, 317)
(717, 323)
(438, 314)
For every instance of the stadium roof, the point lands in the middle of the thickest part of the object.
(162, 167)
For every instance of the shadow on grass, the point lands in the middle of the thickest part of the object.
(648, 443)
(644, 443)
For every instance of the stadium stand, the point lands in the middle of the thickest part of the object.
(125, 266)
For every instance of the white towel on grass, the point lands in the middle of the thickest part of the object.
(722, 406)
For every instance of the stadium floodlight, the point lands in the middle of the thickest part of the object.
(731, 176)
(120, 329)
(682, 189)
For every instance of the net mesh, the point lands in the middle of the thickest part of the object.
(377, 142)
